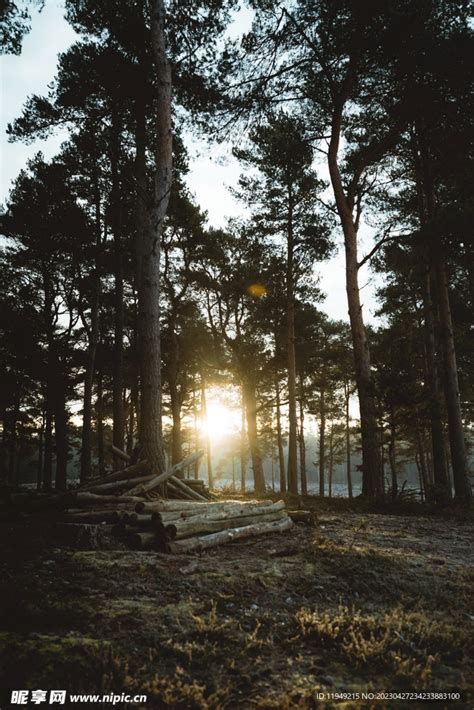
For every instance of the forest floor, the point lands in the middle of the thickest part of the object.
(359, 603)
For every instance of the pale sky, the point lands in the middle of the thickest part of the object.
(212, 169)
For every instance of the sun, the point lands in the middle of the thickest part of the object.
(222, 419)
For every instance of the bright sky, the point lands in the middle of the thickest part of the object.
(212, 169)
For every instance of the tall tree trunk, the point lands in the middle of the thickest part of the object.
(425, 484)
(304, 482)
(39, 468)
(348, 446)
(462, 486)
(86, 447)
(12, 458)
(60, 430)
(243, 446)
(175, 397)
(196, 429)
(392, 454)
(281, 456)
(3, 449)
(371, 467)
(99, 408)
(331, 457)
(440, 472)
(252, 430)
(290, 311)
(48, 444)
(322, 435)
(149, 303)
(118, 364)
(131, 425)
(51, 374)
(176, 435)
(210, 477)
(426, 209)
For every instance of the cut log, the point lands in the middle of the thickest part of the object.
(143, 521)
(155, 481)
(193, 527)
(203, 542)
(187, 506)
(150, 540)
(233, 511)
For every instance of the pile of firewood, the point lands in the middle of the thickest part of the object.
(160, 512)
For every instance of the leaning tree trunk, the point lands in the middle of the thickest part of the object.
(252, 430)
(149, 303)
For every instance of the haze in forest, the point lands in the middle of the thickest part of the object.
(244, 224)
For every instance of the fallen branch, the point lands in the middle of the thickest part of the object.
(155, 481)
(136, 469)
(186, 489)
(121, 485)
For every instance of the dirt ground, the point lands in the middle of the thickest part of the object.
(358, 603)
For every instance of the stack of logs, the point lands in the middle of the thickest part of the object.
(131, 504)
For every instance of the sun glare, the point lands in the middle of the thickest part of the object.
(222, 419)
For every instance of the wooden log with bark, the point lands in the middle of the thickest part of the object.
(193, 526)
(186, 506)
(203, 514)
(204, 542)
